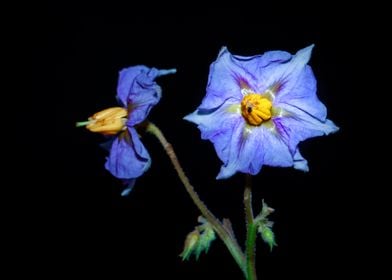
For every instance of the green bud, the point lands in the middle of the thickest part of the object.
(206, 238)
(265, 229)
(191, 243)
(198, 240)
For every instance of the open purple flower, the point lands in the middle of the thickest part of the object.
(257, 109)
(138, 93)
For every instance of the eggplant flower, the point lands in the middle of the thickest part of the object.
(257, 109)
(138, 93)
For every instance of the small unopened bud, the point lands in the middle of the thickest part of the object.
(267, 234)
(191, 242)
(198, 240)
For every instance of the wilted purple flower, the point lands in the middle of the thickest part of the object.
(257, 109)
(138, 93)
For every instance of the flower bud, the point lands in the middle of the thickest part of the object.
(191, 242)
(198, 240)
(265, 229)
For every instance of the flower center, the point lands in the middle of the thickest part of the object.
(108, 122)
(255, 108)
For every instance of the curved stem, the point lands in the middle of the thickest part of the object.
(222, 232)
(251, 231)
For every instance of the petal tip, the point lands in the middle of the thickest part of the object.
(305, 53)
(130, 184)
(332, 127)
(300, 163)
(308, 48)
(222, 51)
(301, 166)
(126, 192)
(167, 71)
(225, 173)
(190, 117)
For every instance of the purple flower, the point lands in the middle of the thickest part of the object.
(138, 93)
(257, 109)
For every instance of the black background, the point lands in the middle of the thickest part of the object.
(78, 51)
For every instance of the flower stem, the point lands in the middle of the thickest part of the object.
(251, 231)
(222, 232)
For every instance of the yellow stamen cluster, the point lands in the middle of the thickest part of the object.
(109, 121)
(255, 108)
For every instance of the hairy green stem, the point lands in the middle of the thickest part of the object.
(251, 231)
(222, 232)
